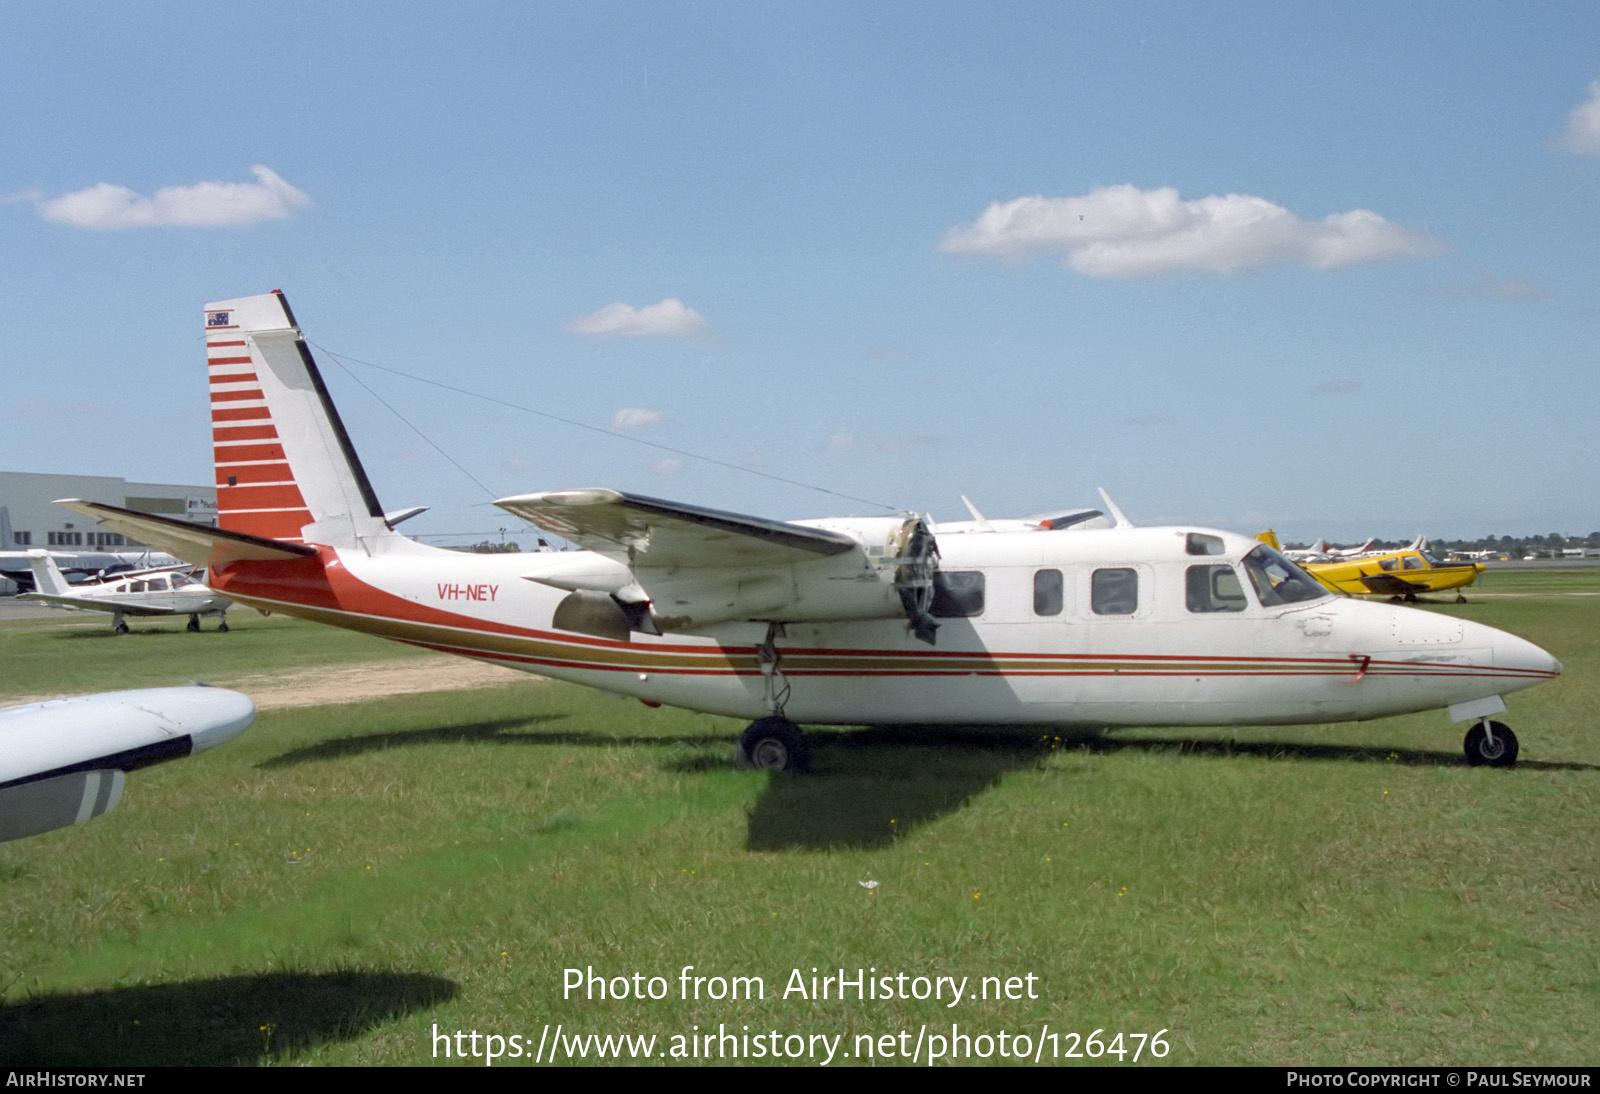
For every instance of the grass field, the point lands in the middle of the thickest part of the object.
(343, 881)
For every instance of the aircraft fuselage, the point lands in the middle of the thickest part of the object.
(1061, 657)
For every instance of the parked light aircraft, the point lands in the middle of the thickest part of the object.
(164, 591)
(843, 621)
(1403, 573)
(63, 761)
(1317, 552)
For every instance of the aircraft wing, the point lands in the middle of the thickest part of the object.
(692, 567)
(1390, 585)
(652, 534)
(194, 543)
(63, 761)
(84, 603)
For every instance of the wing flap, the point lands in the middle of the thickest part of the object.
(194, 543)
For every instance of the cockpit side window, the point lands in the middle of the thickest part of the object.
(1278, 581)
(1213, 589)
(1413, 562)
(1114, 591)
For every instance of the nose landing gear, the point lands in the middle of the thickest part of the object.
(1490, 744)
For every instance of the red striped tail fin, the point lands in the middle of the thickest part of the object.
(285, 467)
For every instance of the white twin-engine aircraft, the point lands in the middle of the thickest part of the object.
(1061, 620)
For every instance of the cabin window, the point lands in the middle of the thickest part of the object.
(138, 586)
(1413, 562)
(1198, 543)
(957, 594)
(1278, 581)
(158, 584)
(1213, 589)
(1114, 592)
(1047, 589)
(1388, 563)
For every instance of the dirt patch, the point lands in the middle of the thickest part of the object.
(370, 680)
(355, 683)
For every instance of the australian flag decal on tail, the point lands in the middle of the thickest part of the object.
(217, 318)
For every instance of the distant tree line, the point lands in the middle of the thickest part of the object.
(491, 547)
(1515, 546)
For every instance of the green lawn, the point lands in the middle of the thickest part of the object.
(343, 881)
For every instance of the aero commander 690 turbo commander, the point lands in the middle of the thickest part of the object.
(1068, 619)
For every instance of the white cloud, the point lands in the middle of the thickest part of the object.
(670, 317)
(1583, 125)
(1122, 231)
(107, 207)
(635, 417)
(667, 465)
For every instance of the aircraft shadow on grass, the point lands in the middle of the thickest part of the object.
(869, 786)
(217, 1022)
(499, 731)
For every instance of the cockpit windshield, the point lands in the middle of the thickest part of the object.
(1278, 581)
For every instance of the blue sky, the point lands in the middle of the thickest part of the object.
(1329, 269)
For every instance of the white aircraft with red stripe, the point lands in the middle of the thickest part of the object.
(1069, 619)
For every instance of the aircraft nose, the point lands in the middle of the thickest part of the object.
(1522, 660)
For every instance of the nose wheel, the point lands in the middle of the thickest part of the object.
(1490, 744)
(773, 744)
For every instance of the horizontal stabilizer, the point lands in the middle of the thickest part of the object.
(194, 543)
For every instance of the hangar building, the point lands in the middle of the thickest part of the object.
(28, 519)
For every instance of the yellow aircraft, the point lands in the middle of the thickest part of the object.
(1400, 574)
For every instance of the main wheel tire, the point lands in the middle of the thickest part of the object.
(222, 627)
(194, 625)
(773, 744)
(120, 628)
(1480, 752)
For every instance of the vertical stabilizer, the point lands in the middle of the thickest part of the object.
(47, 576)
(285, 466)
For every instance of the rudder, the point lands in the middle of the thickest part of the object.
(285, 467)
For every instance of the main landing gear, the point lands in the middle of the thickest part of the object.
(773, 744)
(194, 625)
(1490, 744)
